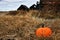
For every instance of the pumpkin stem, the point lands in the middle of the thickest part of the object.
(42, 25)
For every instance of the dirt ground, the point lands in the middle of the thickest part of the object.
(23, 25)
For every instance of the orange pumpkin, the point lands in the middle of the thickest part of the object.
(43, 32)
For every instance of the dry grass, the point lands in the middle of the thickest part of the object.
(51, 14)
(23, 24)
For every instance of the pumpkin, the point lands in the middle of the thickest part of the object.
(43, 32)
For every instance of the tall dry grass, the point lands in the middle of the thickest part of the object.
(23, 24)
(51, 14)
